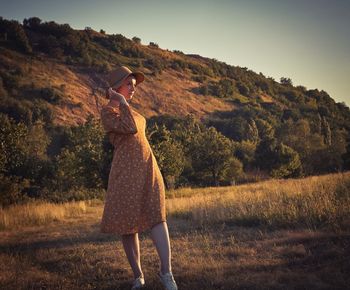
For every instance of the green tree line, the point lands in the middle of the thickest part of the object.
(70, 163)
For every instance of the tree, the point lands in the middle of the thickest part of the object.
(252, 132)
(14, 149)
(286, 81)
(153, 44)
(37, 140)
(346, 155)
(225, 88)
(210, 152)
(81, 162)
(287, 162)
(330, 157)
(308, 144)
(13, 156)
(243, 88)
(69, 172)
(235, 128)
(265, 129)
(136, 39)
(169, 154)
(187, 131)
(245, 152)
(326, 131)
(265, 157)
(233, 170)
(12, 190)
(15, 33)
(32, 23)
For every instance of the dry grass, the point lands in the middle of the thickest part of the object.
(211, 249)
(310, 202)
(39, 213)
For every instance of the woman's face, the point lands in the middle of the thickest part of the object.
(127, 89)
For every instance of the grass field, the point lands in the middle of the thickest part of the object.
(276, 234)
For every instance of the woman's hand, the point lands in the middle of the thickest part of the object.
(113, 95)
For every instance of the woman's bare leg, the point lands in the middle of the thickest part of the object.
(131, 245)
(160, 237)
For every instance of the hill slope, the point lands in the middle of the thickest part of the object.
(36, 56)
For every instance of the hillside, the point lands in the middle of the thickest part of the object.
(40, 55)
(171, 93)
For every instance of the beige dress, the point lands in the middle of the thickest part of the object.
(135, 197)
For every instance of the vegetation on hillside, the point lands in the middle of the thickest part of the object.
(276, 129)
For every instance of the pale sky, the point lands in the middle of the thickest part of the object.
(305, 40)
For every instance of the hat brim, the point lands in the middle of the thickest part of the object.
(139, 76)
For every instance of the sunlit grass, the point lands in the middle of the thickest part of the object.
(59, 246)
(39, 213)
(312, 202)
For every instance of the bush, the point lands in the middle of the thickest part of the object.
(12, 190)
(15, 34)
(10, 80)
(286, 81)
(178, 64)
(54, 29)
(155, 65)
(199, 78)
(136, 40)
(50, 95)
(153, 45)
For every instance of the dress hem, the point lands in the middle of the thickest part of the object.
(140, 230)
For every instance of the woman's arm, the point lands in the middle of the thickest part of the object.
(118, 121)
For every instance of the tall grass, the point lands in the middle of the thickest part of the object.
(312, 202)
(39, 213)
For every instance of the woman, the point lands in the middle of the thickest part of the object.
(135, 198)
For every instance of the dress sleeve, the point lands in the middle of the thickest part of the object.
(118, 121)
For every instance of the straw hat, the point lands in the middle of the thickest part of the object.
(116, 77)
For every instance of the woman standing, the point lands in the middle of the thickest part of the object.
(135, 198)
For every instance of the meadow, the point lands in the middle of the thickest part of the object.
(273, 234)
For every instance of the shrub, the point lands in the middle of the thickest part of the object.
(12, 190)
(50, 94)
(136, 40)
(15, 33)
(153, 45)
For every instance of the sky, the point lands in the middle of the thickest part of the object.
(305, 40)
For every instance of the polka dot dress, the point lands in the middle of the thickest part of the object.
(135, 197)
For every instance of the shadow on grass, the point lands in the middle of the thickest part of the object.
(297, 261)
(64, 242)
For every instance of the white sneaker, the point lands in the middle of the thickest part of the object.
(168, 280)
(138, 283)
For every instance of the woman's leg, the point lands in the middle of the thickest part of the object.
(160, 237)
(131, 245)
